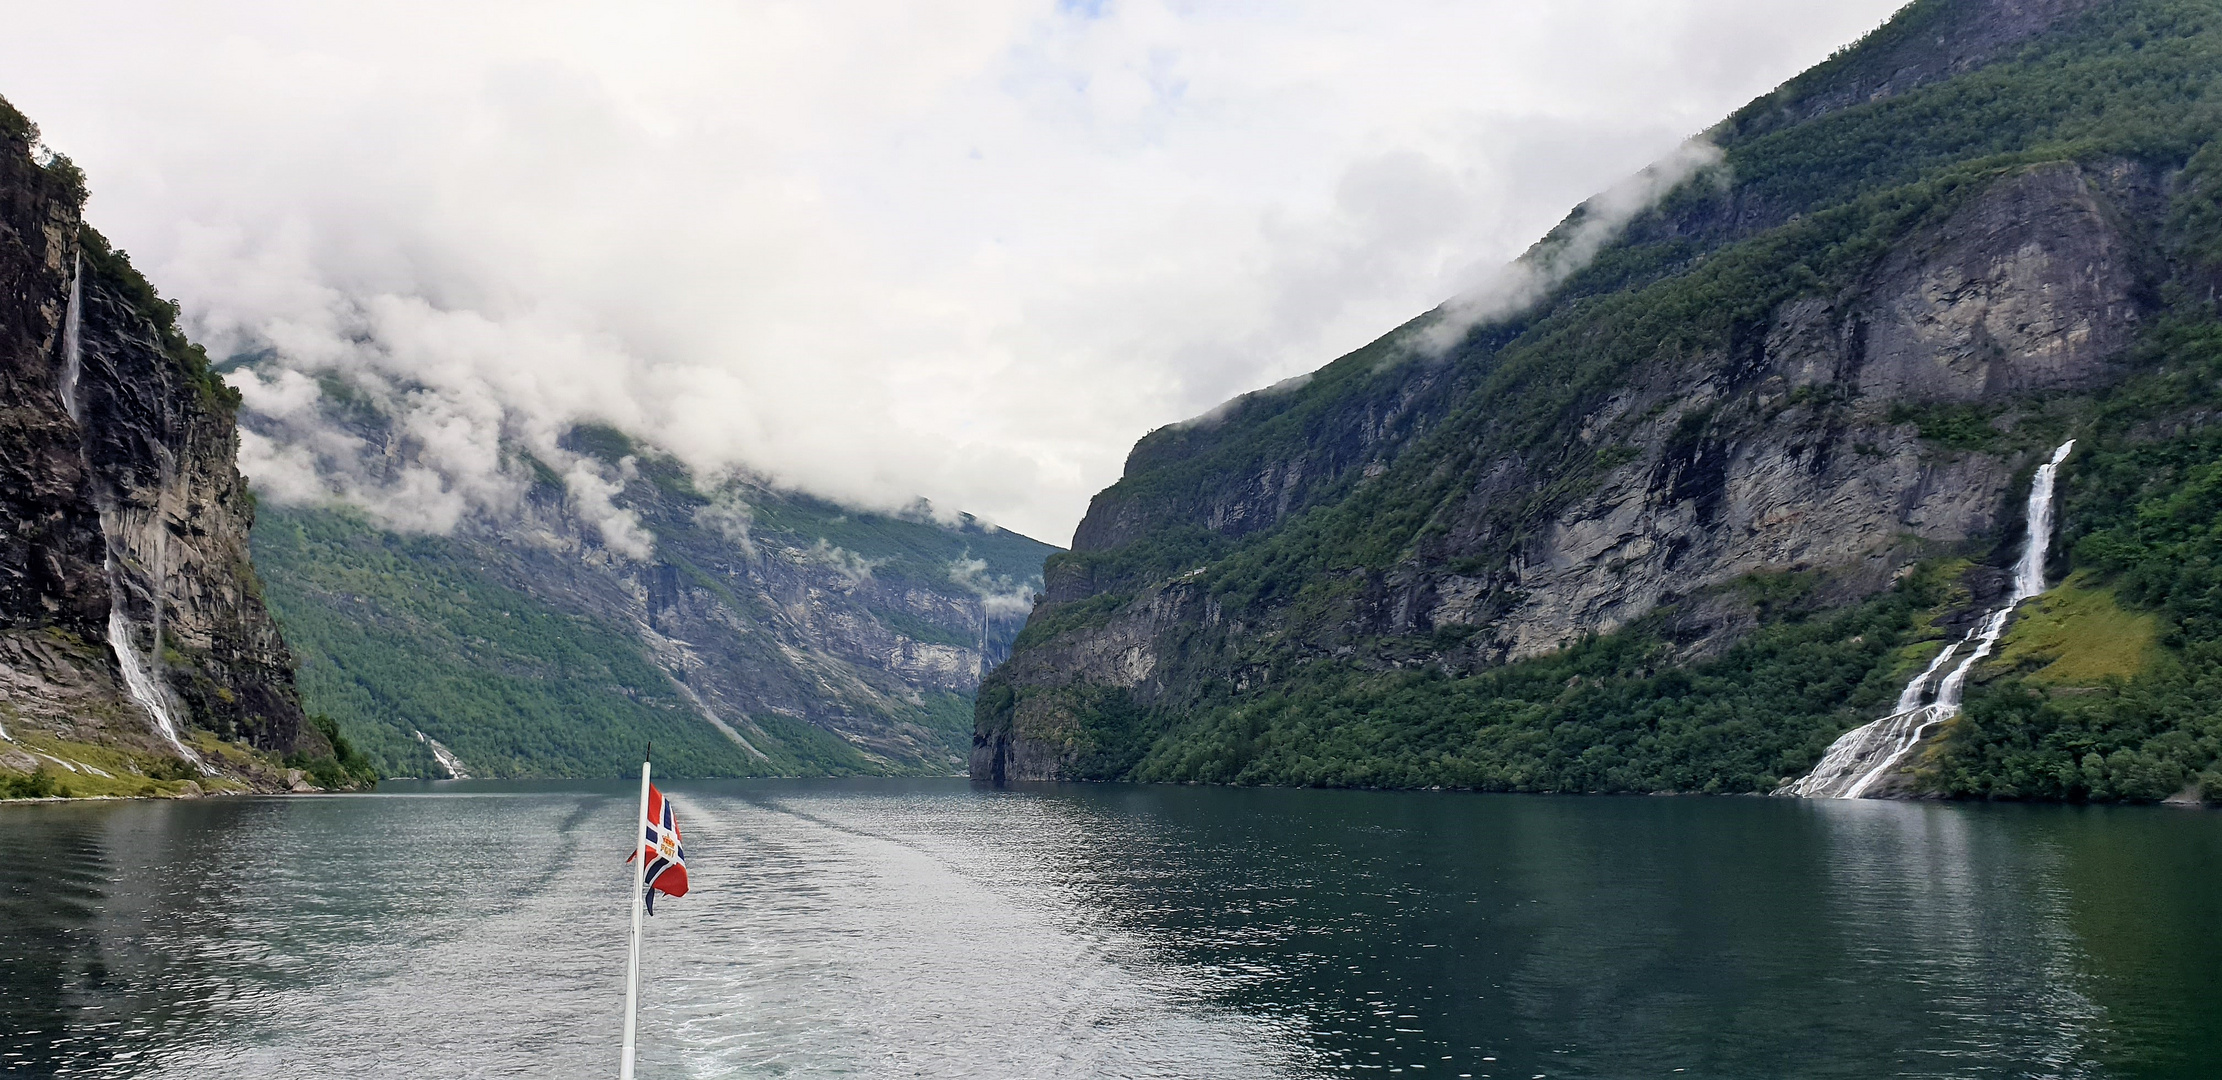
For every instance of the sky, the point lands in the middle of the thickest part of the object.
(875, 250)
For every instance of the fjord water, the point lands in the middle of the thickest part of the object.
(932, 928)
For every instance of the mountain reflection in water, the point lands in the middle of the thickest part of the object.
(933, 928)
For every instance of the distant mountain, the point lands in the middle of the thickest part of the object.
(1733, 469)
(744, 629)
(136, 656)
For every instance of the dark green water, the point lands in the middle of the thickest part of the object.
(919, 928)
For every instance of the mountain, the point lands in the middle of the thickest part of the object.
(1739, 463)
(136, 655)
(616, 598)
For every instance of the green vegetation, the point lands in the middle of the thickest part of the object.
(2079, 635)
(1961, 427)
(2105, 694)
(501, 657)
(1610, 714)
(39, 783)
(2115, 717)
(400, 634)
(344, 769)
(97, 771)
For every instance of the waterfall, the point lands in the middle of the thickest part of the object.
(157, 587)
(137, 680)
(454, 765)
(1865, 754)
(73, 363)
(142, 679)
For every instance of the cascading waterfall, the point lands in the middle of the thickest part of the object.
(1865, 754)
(72, 351)
(136, 678)
(453, 764)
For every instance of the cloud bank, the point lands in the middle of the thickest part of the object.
(872, 249)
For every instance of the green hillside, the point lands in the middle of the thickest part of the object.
(1293, 680)
(397, 634)
(526, 653)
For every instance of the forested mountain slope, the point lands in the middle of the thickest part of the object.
(1726, 486)
(746, 631)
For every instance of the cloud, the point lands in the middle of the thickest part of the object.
(872, 249)
(1517, 286)
(840, 560)
(730, 518)
(1000, 597)
(589, 487)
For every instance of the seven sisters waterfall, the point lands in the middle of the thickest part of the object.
(142, 677)
(1865, 754)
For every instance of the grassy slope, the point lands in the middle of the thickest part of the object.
(2136, 80)
(398, 633)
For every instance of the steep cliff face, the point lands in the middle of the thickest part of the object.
(127, 522)
(1810, 382)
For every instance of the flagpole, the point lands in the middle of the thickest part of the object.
(632, 969)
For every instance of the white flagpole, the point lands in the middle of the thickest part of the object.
(632, 969)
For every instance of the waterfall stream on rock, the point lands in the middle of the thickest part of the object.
(72, 351)
(1865, 754)
(141, 679)
(446, 757)
(141, 684)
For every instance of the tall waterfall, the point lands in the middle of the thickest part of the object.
(1865, 754)
(72, 348)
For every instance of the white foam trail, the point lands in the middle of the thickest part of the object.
(1865, 754)
(73, 364)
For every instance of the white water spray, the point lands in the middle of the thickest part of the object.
(142, 685)
(1865, 754)
(447, 758)
(140, 679)
(72, 342)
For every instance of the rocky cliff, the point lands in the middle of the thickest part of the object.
(133, 639)
(1703, 506)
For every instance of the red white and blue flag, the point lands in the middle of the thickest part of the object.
(667, 861)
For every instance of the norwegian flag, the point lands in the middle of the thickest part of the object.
(667, 861)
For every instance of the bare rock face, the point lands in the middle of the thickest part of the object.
(120, 505)
(2029, 289)
(772, 627)
(50, 551)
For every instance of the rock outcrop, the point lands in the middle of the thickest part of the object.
(122, 509)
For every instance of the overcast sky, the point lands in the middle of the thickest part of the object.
(967, 251)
